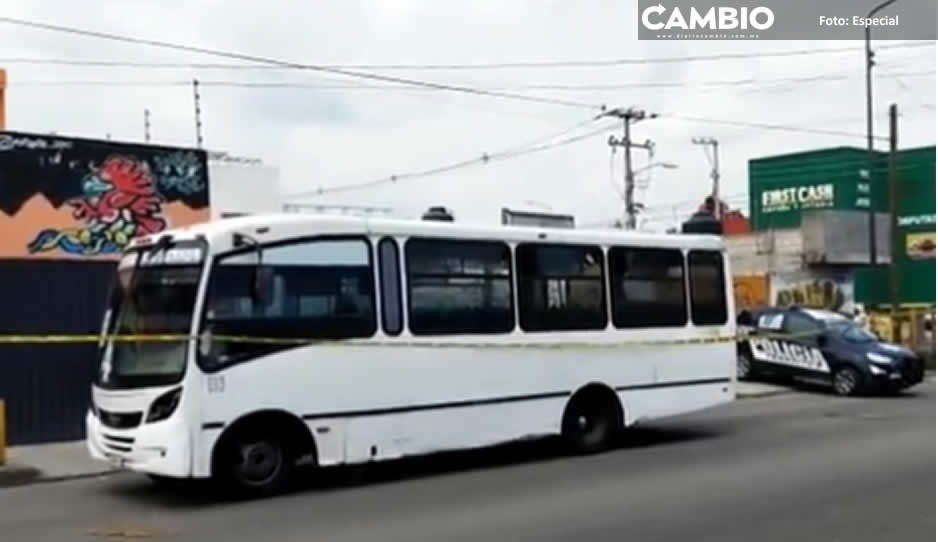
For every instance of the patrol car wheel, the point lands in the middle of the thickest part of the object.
(846, 381)
(743, 367)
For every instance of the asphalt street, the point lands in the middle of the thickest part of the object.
(800, 467)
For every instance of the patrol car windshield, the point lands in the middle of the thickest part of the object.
(854, 333)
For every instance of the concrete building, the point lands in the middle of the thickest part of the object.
(809, 243)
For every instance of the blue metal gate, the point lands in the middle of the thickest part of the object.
(46, 387)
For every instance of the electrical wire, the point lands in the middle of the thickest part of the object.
(765, 126)
(296, 65)
(421, 67)
(485, 158)
(554, 87)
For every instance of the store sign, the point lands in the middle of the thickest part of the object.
(817, 196)
(916, 220)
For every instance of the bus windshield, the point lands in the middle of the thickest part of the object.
(155, 293)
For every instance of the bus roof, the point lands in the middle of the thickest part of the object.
(277, 227)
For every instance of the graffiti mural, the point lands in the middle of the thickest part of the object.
(832, 292)
(751, 291)
(64, 197)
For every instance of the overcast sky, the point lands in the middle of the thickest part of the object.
(322, 137)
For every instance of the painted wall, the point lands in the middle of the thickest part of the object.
(751, 291)
(75, 198)
(816, 289)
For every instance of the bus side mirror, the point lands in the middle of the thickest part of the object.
(263, 286)
(205, 343)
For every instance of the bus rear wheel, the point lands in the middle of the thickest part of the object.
(256, 463)
(590, 423)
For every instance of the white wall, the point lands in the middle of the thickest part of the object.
(761, 253)
(243, 188)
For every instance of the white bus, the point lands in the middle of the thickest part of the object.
(415, 337)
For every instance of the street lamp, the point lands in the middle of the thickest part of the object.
(663, 165)
(869, 127)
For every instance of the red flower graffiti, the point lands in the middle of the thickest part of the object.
(123, 188)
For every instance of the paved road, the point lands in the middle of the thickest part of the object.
(797, 467)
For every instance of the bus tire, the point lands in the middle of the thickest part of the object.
(255, 463)
(591, 420)
(257, 456)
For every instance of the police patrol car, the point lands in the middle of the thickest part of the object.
(823, 346)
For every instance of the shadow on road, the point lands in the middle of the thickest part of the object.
(202, 493)
(823, 389)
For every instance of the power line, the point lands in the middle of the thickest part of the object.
(295, 65)
(765, 126)
(485, 158)
(555, 87)
(533, 148)
(415, 67)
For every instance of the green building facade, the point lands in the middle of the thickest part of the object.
(785, 189)
(914, 236)
(782, 188)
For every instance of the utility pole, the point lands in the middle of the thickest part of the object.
(629, 116)
(146, 125)
(198, 113)
(869, 130)
(714, 173)
(893, 221)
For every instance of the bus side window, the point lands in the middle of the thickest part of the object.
(707, 288)
(458, 287)
(323, 289)
(647, 287)
(392, 314)
(560, 287)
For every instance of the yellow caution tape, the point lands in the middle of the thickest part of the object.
(164, 338)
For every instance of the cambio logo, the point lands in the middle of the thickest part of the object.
(715, 18)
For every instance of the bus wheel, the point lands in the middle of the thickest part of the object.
(256, 463)
(846, 381)
(590, 422)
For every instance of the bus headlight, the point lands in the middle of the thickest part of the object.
(164, 405)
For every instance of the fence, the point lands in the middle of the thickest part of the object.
(47, 387)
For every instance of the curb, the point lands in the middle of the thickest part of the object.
(78, 476)
(15, 475)
(21, 476)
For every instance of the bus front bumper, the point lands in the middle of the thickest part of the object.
(161, 448)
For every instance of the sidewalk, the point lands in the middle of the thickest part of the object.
(48, 462)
